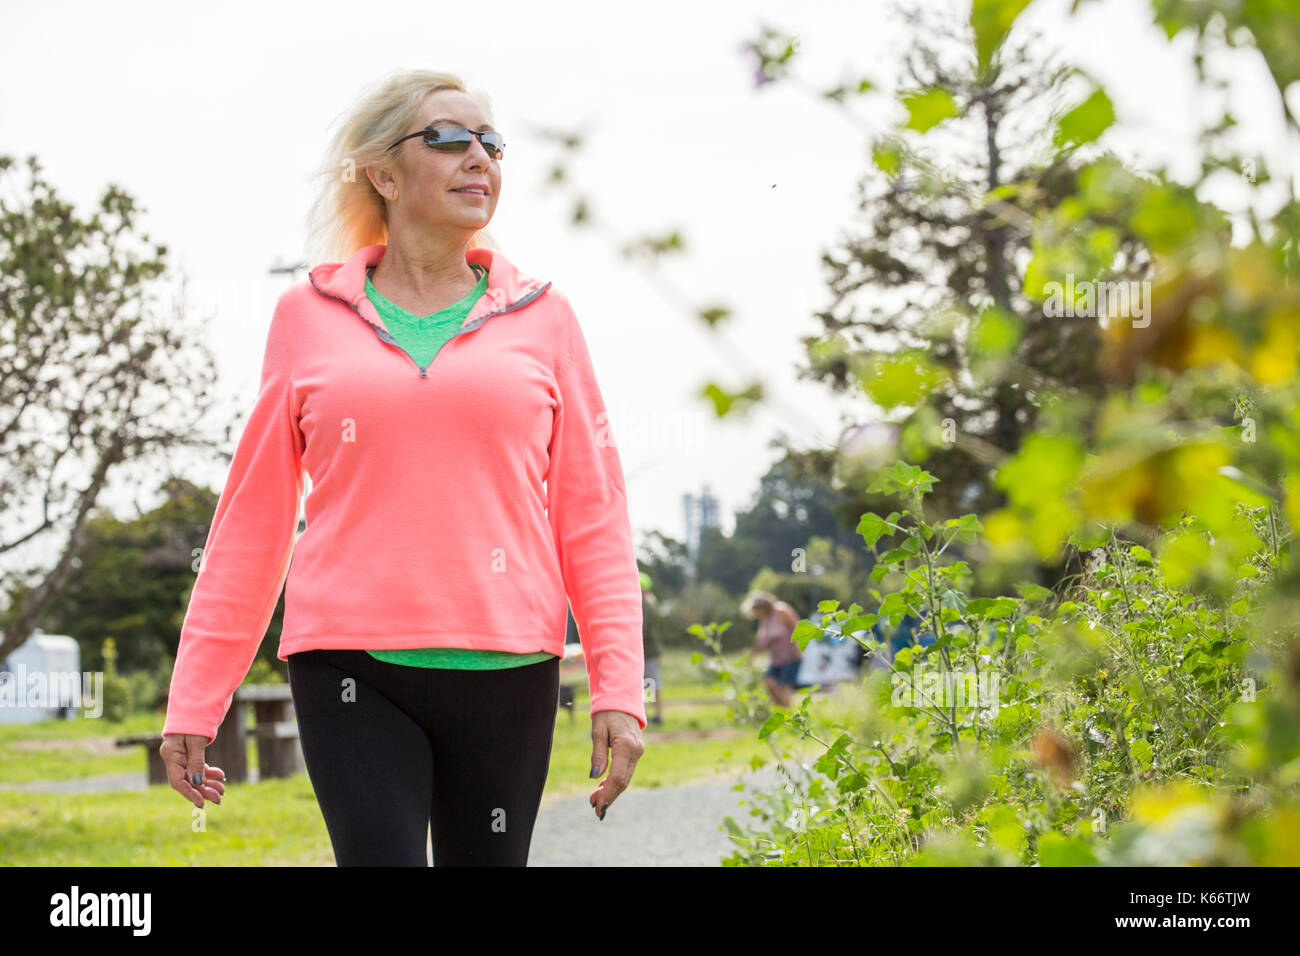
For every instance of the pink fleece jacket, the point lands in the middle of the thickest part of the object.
(466, 504)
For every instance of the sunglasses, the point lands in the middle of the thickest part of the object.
(449, 138)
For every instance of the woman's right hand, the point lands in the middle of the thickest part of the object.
(182, 755)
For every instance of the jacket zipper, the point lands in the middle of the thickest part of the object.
(388, 339)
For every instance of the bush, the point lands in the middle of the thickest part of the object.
(263, 672)
(117, 689)
(1123, 707)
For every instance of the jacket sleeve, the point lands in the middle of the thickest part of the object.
(588, 512)
(246, 557)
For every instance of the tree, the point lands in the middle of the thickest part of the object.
(132, 580)
(928, 313)
(95, 375)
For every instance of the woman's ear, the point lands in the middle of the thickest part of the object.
(383, 181)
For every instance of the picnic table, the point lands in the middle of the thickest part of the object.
(279, 753)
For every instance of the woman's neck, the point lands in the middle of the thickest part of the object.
(426, 282)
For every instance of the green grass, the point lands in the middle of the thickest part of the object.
(277, 822)
(70, 749)
(273, 823)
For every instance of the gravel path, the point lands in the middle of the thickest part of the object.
(663, 826)
(95, 783)
(660, 826)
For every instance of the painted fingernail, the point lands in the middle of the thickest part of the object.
(595, 772)
(603, 808)
(196, 778)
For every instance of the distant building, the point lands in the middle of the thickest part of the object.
(699, 512)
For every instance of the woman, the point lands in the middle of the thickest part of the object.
(776, 623)
(465, 492)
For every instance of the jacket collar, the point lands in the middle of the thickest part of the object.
(507, 286)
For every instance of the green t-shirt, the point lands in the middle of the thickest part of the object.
(422, 339)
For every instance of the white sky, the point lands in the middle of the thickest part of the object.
(213, 115)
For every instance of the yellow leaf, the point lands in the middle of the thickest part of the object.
(1275, 358)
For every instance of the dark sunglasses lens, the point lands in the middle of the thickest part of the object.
(456, 139)
(449, 139)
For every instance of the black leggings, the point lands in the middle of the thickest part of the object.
(401, 751)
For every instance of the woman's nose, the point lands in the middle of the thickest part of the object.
(478, 152)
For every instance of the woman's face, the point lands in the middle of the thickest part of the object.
(425, 179)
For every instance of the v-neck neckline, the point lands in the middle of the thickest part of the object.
(482, 270)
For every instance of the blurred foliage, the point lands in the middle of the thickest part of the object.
(117, 701)
(1125, 721)
(932, 315)
(1146, 709)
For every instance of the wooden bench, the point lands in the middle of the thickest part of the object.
(279, 752)
(153, 759)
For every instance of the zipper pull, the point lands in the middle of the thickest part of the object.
(423, 370)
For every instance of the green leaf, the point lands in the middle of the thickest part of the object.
(999, 607)
(995, 333)
(897, 556)
(1087, 121)
(805, 633)
(1042, 470)
(860, 623)
(1034, 592)
(871, 527)
(1057, 849)
(1182, 556)
(887, 159)
(851, 782)
(828, 762)
(928, 108)
(724, 400)
(1006, 829)
(991, 20)
(902, 378)
(771, 724)
(1141, 751)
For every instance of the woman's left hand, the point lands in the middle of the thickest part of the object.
(613, 730)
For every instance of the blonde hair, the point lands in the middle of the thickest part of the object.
(348, 213)
(757, 601)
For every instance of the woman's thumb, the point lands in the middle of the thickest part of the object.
(194, 760)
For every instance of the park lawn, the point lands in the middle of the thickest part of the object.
(277, 822)
(70, 749)
(271, 823)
